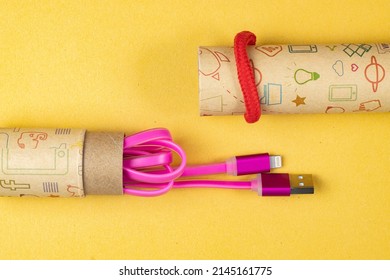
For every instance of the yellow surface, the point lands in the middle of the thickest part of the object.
(132, 65)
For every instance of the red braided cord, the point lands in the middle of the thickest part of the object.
(246, 76)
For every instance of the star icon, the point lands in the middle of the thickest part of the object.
(299, 101)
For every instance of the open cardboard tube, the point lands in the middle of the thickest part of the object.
(103, 160)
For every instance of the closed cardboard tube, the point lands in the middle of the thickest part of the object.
(295, 79)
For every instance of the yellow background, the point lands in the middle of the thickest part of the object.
(132, 65)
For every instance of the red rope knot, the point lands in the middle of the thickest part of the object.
(246, 76)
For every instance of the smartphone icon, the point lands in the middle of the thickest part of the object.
(52, 161)
(342, 93)
(302, 48)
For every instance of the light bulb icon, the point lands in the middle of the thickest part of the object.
(302, 76)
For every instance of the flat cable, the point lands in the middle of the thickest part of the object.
(147, 170)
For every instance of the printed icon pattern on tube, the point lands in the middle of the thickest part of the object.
(298, 79)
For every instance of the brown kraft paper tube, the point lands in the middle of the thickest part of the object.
(293, 79)
(41, 162)
(103, 161)
(60, 162)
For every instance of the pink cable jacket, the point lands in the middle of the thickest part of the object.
(147, 169)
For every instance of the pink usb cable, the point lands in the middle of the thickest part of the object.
(147, 169)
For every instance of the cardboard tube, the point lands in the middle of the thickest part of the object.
(41, 162)
(103, 160)
(335, 78)
(38, 162)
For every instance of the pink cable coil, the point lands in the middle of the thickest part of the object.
(147, 170)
